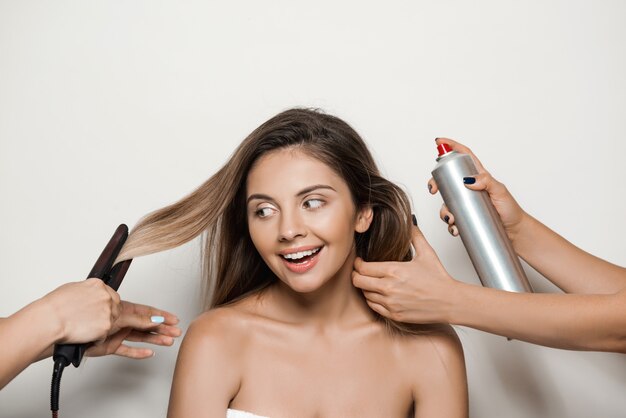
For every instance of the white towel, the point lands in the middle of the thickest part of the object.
(234, 413)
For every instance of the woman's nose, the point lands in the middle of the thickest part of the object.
(291, 226)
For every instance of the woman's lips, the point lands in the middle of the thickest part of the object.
(305, 265)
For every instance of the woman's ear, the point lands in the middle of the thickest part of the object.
(364, 219)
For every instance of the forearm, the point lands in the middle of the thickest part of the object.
(573, 322)
(567, 266)
(26, 337)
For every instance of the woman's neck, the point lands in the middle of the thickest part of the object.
(336, 303)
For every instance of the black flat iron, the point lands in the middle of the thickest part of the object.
(64, 354)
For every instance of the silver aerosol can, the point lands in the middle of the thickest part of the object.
(479, 224)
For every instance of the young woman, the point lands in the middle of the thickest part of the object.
(288, 334)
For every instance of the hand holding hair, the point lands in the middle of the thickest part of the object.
(416, 291)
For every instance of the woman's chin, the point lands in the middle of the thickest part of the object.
(304, 284)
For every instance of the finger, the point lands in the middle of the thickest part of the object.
(137, 353)
(100, 342)
(104, 347)
(453, 230)
(446, 215)
(366, 283)
(137, 321)
(374, 297)
(168, 330)
(374, 268)
(116, 308)
(380, 309)
(432, 186)
(149, 338)
(169, 318)
(149, 311)
(115, 297)
(140, 316)
(457, 146)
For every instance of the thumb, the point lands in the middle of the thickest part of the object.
(419, 241)
(484, 181)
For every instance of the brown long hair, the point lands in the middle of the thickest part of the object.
(232, 267)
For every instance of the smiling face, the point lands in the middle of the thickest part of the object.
(301, 218)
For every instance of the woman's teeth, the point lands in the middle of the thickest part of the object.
(301, 254)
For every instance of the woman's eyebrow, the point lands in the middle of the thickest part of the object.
(258, 196)
(315, 187)
(300, 193)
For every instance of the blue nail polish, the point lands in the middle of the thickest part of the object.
(469, 180)
(446, 218)
(157, 319)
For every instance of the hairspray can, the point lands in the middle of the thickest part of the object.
(479, 224)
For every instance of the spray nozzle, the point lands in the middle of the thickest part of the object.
(443, 149)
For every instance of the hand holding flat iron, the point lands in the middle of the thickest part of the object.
(81, 312)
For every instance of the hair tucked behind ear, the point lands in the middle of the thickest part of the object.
(232, 267)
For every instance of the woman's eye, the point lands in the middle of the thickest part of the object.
(263, 212)
(313, 203)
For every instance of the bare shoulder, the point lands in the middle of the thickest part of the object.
(436, 369)
(227, 323)
(214, 336)
(226, 327)
(436, 343)
(230, 323)
(209, 361)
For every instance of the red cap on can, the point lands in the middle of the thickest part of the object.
(443, 149)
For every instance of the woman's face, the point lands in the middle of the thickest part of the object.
(301, 218)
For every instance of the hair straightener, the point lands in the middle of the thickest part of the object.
(64, 354)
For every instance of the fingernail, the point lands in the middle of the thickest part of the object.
(157, 319)
(446, 218)
(436, 139)
(414, 219)
(469, 180)
(430, 187)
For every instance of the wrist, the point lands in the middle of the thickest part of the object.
(47, 319)
(462, 299)
(526, 237)
(454, 297)
(520, 231)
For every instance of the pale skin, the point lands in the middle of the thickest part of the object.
(591, 316)
(309, 346)
(81, 312)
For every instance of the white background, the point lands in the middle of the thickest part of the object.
(111, 109)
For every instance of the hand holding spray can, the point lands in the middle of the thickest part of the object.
(479, 224)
